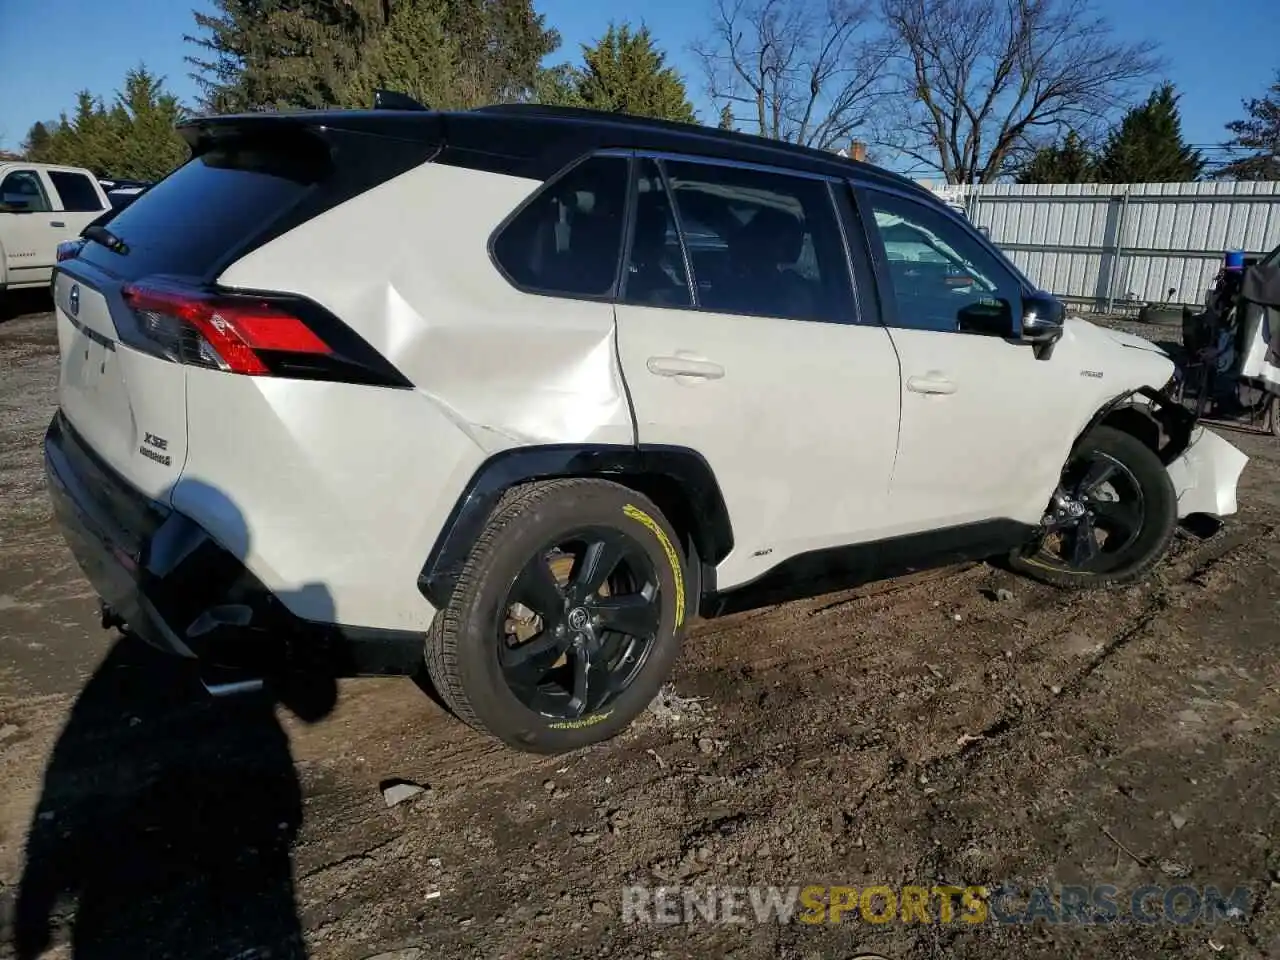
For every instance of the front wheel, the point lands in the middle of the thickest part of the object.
(1110, 520)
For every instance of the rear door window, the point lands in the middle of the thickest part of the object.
(762, 243)
(77, 192)
(567, 240)
(655, 274)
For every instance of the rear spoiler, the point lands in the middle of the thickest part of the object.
(414, 124)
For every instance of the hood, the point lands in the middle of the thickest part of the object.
(1121, 360)
(1098, 336)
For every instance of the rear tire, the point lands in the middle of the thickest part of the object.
(1138, 523)
(508, 652)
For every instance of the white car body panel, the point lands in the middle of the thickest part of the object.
(337, 508)
(118, 395)
(785, 397)
(433, 303)
(1206, 475)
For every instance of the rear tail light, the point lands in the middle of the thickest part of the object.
(69, 249)
(254, 335)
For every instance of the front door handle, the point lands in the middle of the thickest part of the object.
(933, 384)
(685, 367)
(56, 223)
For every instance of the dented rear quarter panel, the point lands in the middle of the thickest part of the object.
(424, 292)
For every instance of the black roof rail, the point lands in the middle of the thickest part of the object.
(394, 100)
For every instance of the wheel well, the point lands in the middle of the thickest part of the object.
(1162, 424)
(679, 482)
(1136, 423)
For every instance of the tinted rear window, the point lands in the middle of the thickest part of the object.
(213, 206)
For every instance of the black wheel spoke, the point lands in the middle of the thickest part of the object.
(634, 614)
(537, 589)
(1084, 542)
(1117, 516)
(598, 560)
(1099, 472)
(536, 655)
(567, 650)
(582, 676)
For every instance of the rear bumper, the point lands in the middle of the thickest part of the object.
(178, 589)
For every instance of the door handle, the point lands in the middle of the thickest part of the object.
(685, 367)
(931, 385)
(56, 223)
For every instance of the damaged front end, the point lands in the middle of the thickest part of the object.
(1205, 469)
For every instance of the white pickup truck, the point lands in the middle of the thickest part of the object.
(41, 205)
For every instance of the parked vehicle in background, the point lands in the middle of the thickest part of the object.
(611, 374)
(42, 205)
(121, 193)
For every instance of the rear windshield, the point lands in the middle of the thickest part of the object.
(214, 205)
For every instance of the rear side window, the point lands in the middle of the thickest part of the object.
(76, 191)
(209, 208)
(762, 243)
(568, 239)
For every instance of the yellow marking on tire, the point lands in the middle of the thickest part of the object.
(635, 513)
(590, 721)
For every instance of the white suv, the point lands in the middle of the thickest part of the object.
(516, 393)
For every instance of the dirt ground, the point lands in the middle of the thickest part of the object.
(921, 732)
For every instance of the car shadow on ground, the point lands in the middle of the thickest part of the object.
(166, 818)
(21, 303)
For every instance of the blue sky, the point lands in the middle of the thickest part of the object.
(51, 48)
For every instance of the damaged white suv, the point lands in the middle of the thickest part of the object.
(513, 394)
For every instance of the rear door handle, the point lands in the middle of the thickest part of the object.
(931, 385)
(56, 223)
(685, 367)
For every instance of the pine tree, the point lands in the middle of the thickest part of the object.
(412, 55)
(1068, 162)
(280, 53)
(1148, 147)
(500, 47)
(726, 118)
(1260, 135)
(557, 86)
(625, 73)
(145, 116)
(133, 139)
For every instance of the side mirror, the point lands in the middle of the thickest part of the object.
(1043, 319)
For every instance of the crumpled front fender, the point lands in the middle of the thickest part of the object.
(1205, 475)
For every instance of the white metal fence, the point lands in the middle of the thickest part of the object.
(1110, 246)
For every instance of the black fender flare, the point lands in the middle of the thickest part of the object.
(677, 478)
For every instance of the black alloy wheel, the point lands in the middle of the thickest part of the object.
(581, 618)
(1100, 511)
(1111, 518)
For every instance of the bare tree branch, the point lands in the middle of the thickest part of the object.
(974, 80)
(811, 70)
